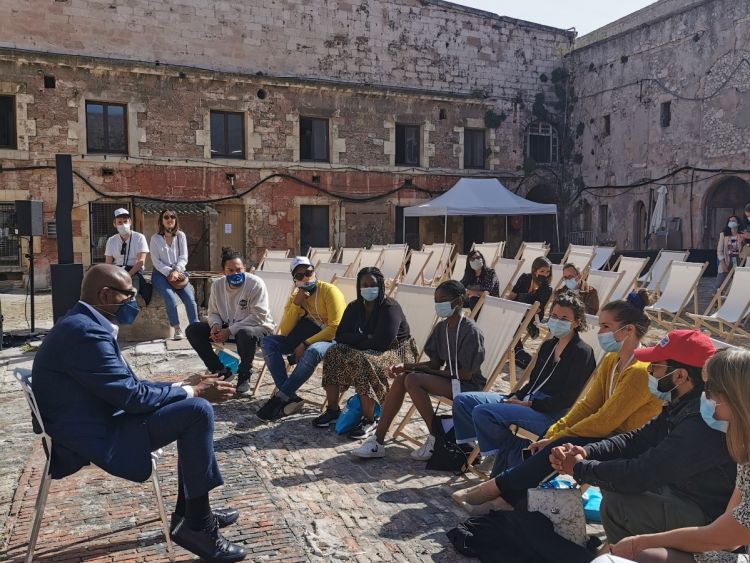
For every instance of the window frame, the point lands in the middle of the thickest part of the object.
(13, 259)
(225, 115)
(607, 124)
(544, 129)
(312, 120)
(483, 152)
(105, 127)
(603, 218)
(665, 114)
(12, 126)
(404, 162)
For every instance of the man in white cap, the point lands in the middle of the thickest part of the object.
(127, 249)
(306, 331)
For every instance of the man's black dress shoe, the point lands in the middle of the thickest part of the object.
(224, 516)
(208, 544)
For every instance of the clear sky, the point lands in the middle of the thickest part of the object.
(584, 15)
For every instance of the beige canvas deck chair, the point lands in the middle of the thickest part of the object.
(503, 324)
(556, 277)
(347, 286)
(528, 252)
(459, 267)
(326, 270)
(440, 261)
(602, 254)
(720, 344)
(417, 261)
(349, 255)
(677, 292)
(604, 283)
(392, 264)
(631, 268)
(507, 269)
(491, 251)
(368, 259)
(311, 250)
(270, 253)
(277, 265)
(726, 315)
(321, 256)
(656, 278)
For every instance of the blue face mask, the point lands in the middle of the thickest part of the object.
(732, 225)
(236, 280)
(369, 293)
(127, 312)
(444, 309)
(571, 283)
(559, 328)
(653, 386)
(708, 413)
(607, 341)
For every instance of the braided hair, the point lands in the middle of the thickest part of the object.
(379, 277)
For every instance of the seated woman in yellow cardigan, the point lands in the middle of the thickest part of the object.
(617, 401)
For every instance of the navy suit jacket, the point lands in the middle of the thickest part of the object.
(92, 404)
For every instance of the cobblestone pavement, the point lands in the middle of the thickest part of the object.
(302, 496)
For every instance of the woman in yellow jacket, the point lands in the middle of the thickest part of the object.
(617, 401)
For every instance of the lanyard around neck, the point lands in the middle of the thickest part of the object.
(536, 388)
(448, 347)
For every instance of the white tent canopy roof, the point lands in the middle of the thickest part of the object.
(479, 196)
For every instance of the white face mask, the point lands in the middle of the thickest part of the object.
(123, 229)
(476, 264)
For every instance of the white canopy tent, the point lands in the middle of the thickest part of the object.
(480, 196)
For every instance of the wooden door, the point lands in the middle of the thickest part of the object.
(232, 228)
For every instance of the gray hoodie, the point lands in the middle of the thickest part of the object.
(245, 306)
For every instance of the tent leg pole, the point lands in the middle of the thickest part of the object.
(403, 229)
(445, 230)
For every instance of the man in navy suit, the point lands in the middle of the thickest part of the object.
(97, 411)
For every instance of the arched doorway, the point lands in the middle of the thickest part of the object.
(726, 198)
(538, 228)
(640, 226)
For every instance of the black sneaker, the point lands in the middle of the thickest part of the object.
(326, 419)
(207, 544)
(272, 410)
(364, 429)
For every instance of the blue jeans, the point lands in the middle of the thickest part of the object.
(169, 295)
(275, 347)
(486, 418)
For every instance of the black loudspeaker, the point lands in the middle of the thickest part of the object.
(29, 218)
(66, 288)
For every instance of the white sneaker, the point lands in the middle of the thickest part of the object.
(178, 335)
(370, 448)
(425, 452)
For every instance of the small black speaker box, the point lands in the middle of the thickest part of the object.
(29, 218)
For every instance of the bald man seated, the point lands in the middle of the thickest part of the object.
(97, 411)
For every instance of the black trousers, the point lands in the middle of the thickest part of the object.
(247, 340)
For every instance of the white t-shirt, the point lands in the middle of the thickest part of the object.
(135, 244)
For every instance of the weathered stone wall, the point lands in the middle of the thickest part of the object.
(697, 59)
(425, 44)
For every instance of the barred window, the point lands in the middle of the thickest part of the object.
(10, 249)
(101, 216)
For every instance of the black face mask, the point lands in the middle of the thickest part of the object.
(667, 384)
(541, 280)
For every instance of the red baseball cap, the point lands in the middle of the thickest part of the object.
(689, 347)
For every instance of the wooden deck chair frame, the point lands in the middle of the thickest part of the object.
(528, 260)
(389, 251)
(632, 275)
(648, 280)
(277, 264)
(533, 245)
(604, 297)
(669, 319)
(459, 261)
(726, 329)
(322, 256)
(442, 265)
(416, 278)
(506, 357)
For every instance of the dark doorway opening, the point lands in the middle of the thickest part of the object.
(412, 229)
(313, 229)
(473, 232)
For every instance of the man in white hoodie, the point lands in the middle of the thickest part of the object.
(238, 311)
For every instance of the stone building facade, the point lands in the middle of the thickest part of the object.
(663, 95)
(269, 123)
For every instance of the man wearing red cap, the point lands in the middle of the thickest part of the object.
(675, 471)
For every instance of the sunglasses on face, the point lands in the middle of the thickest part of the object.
(302, 275)
(168, 217)
(129, 292)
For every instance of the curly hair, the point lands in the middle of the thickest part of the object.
(570, 300)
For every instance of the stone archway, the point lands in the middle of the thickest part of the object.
(727, 197)
(539, 228)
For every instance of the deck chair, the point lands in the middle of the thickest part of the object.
(418, 305)
(631, 268)
(504, 324)
(528, 253)
(507, 270)
(435, 269)
(602, 254)
(726, 315)
(349, 255)
(556, 276)
(313, 249)
(490, 250)
(322, 256)
(277, 253)
(459, 267)
(368, 258)
(417, 261)
(392, 262)
(677, 292)
(654, 279)
(604, 283)
(397, 245)
(326, 270)
(277, 265)
(24, 379)
(721, 345)
(347, 286)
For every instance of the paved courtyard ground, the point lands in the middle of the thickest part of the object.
(303, 497)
